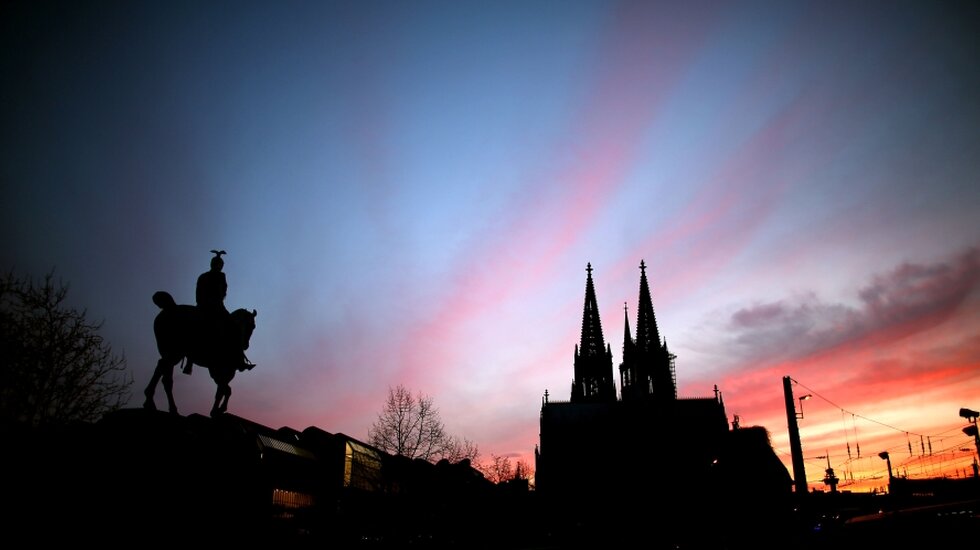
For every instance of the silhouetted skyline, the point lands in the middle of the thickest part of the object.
(409, 192)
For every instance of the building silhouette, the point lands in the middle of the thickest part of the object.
(609, 467)
(228, 480)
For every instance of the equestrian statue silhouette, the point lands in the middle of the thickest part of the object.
(205, 335)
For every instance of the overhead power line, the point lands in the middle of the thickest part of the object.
(861, 416)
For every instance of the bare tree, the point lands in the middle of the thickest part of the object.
(458, 449)
(409, 425)
(55, 368)
(523, 470)
(498, 469)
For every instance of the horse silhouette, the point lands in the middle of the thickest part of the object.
(182, 331)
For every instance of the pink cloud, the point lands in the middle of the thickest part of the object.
(736, 199)
(907, 300)
(857, 380)
(912, 343)
(731, 205)
(640, 61)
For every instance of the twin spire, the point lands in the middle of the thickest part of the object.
(647, 368)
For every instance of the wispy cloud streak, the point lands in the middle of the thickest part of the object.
(909, 299)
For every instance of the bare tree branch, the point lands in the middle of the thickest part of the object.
(55, 367)
(409, 425)
(458, 449)
(500, 470)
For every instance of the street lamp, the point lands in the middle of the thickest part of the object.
(971, 416)
(884, 456)
(802, 399)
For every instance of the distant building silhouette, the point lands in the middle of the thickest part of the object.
(647, 462)
(141, 473)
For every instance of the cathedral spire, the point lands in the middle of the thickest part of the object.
(647, 334)
(593, 358)
(648, 367)
(627, 372)
(627, 335)
(593, 342)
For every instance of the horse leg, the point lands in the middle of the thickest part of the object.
(220, 399)
(224, 404)
(152, 386)
(168, 386)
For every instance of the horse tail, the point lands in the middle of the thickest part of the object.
(164, 300)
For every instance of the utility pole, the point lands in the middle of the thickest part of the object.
(795, 447)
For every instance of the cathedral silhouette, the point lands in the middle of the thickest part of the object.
(607, 465)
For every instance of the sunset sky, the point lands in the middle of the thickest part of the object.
(409, 193)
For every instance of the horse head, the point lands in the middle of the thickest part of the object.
(245, 320)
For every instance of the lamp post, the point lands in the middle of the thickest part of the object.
(971, 416)
(884, 456)
(802, 399)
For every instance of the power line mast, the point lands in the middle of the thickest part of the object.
(795, 447)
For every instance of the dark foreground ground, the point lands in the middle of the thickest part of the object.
(92, 520)
(152, 479)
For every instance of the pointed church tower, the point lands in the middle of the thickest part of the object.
(653, 359)
(593, 358)
(649, 367)
(647, 334)
(627, 374)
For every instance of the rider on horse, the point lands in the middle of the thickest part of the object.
(215, 319)
(212, 287)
